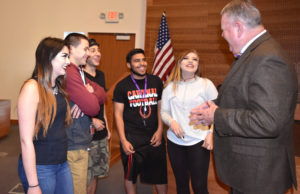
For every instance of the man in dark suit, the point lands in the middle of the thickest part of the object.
(254, 112)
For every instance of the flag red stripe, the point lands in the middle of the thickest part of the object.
(160, 55)
(155, 64)
(164, 64)
(158, 63)
(168, 71)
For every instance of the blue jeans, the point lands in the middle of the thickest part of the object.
(53, 179)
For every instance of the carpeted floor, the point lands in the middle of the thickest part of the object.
(113, 184)
(9, 153)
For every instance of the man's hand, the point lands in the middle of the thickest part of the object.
(76, 112)
(208, 142)
(89, 88)
(156, 139)
(98, 124)
(203, 114)
(127, 147)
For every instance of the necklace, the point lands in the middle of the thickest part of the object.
(188, 79)
(142, 94)
(55, 90)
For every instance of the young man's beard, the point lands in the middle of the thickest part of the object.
(136, 73)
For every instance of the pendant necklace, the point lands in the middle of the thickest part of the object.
(55, 90)
(142, 94)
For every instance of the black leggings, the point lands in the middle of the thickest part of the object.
(189, 161)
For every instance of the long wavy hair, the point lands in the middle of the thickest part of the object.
(46, 51)
(175, 75)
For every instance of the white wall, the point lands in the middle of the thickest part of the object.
(25, 23)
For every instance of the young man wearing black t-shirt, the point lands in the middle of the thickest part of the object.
(99, 156)
(137, 114)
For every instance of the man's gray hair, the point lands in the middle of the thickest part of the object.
(243, 10)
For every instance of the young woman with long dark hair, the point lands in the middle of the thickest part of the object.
(44, 113)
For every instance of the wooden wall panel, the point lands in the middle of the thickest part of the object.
(282, 19)
(196, 24)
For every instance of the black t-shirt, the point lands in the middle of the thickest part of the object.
(135, 120)
(100, 80)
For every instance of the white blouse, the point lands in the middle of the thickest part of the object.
(177, 106)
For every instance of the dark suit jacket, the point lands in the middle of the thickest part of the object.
(253, 143)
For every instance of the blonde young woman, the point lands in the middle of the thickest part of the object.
(188, 145)
(44, 112)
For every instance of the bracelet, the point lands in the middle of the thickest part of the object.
(29, 186)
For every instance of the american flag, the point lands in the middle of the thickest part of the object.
(164, 58)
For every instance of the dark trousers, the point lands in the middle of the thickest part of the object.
(189, 161)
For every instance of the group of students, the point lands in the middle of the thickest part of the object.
(63, 131)
(248, 124)
(56, 122)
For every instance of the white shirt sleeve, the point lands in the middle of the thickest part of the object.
(211, 90)
(165, 106)
(211, 94)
